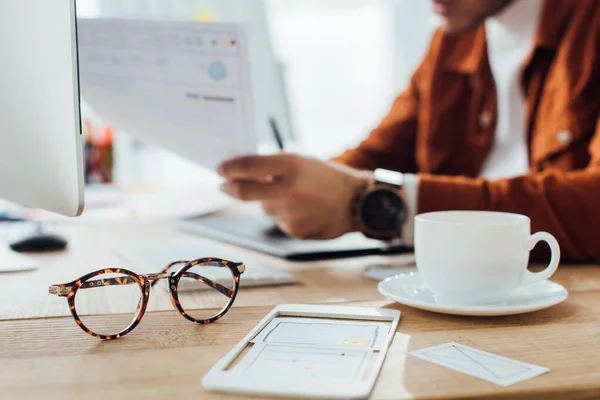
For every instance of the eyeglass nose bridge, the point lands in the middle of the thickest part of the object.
(157, 277)
(152, 279)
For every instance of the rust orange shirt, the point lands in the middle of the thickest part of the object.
(442, 128)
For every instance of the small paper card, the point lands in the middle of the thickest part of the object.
(487, 366)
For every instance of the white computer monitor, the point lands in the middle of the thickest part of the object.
(41, 154)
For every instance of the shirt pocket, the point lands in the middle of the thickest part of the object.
(563, 133)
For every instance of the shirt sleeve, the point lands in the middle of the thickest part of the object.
(565, 204)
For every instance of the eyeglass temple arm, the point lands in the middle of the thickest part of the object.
(60, 290)
(64, 290)
(155, 278)
(108, 282)
(220, 288)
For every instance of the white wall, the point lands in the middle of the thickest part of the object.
(346, 61)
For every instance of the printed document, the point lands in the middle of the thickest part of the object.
(184, 86)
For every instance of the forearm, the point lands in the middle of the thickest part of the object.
(388, 148)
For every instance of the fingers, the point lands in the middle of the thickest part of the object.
(280, 212)
(270, 208)
(298, 230)
(297, 221)
(258, 167)
(294, 221)
(252, 190)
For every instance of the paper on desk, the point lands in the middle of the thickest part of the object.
(324, 332)
(14, 262)
(182, 85)
(480, 364)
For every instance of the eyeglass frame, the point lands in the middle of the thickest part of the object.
(145, 282)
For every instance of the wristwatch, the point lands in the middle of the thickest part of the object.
(381, 208)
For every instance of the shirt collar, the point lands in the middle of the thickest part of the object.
(469, 51)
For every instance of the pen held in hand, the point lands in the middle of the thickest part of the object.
(276, 133)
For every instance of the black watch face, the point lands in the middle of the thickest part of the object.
(383, 211)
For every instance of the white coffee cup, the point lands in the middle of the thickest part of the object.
(477, 257)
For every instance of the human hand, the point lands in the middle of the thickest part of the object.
(308, 198)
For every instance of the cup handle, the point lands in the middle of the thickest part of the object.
(534, 239)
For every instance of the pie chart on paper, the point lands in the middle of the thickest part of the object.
(218, 71)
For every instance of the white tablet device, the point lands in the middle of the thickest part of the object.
(331, 352)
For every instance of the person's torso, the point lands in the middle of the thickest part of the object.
(458, 99)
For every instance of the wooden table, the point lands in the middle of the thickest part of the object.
(43, 354)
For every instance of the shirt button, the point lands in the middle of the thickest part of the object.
(485, 119)
(564, 137)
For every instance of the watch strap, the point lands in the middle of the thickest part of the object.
(387, 177)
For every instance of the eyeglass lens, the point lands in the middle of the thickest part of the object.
(204, 291)
(108, 303)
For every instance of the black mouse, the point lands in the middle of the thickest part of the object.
(39, 243)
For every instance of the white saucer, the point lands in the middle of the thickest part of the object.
(409, 289)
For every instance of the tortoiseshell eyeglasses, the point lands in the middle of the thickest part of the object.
(112, 302)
